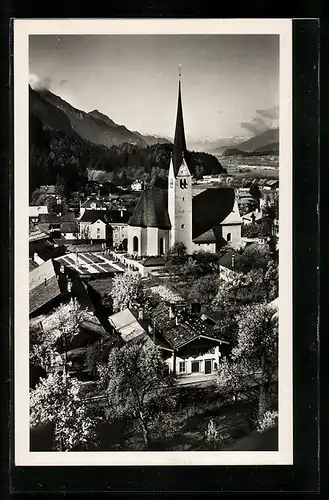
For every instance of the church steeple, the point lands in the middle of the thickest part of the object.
(179, 147)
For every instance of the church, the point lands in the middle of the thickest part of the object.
(162, 217)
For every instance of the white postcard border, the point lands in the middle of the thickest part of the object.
(22, 29)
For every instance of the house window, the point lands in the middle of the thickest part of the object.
(195, 366)
(161, 249)
(183, 198)
(228, 237)
(182, 226)
(182, 367)
(98, 230)
(135, 244)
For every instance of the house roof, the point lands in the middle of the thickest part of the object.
(118, 216)
(151, 210)
(93, 199)
(153, 261)
(35, 234)
(210, 208)
(43, 285)
(125, 323)
(272, 182)
(93, 216)
(207, 237)
(69, 227)
(34, 211)
(131, 329)
(189, 328)
(49, 218)
(103, 287)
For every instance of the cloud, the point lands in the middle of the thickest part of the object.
(38, 83)
(265, 119)
(63, 82)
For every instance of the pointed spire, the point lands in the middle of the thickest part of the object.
(179, 147)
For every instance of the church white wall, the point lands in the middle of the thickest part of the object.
(132, 232)
(152, 243)
(205, 247)
(234, 230)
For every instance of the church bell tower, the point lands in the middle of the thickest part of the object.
(180, 185)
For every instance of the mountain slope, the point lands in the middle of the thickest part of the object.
(267, 138)
(93, 126)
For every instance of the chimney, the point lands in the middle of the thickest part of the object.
(140, 314)
(171, 312)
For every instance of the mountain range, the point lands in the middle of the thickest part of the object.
(261, 144)
(94, 126)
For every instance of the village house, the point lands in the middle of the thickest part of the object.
(92, 203)
(94, 226)
(189, 344)
(35, 211)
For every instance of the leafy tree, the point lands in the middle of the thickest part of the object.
(138, 385)
(57, 334)
(254, 230)
(204, 290)
(253, 256)
(127, 290)
(56, 400)
(177, 254)
(271, 280)
(254, 360)
(206, 262)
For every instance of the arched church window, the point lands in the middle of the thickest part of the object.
(135, 244)
(228, 237)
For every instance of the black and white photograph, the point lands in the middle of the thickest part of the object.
(152, 163)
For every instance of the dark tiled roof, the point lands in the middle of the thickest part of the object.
(114, 216)
(49, 218)
(207, 237)
(151, 210)
(179, 147)
(189, 328)
(103, 287)
(87, 203)
(43, 286)
(69, 227)
(68, 217)
(154, 261)
(93, 215)
(210, 208)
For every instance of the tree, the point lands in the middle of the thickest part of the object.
(207, 262)
(127, 290)
(204, 290)
(254, 256)
(139, 385)
(57, 334)
(271, 280)
(56, 400)
(255, 356)
(177, 254)
(258, 340)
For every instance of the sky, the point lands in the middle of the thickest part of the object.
(230, 83)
